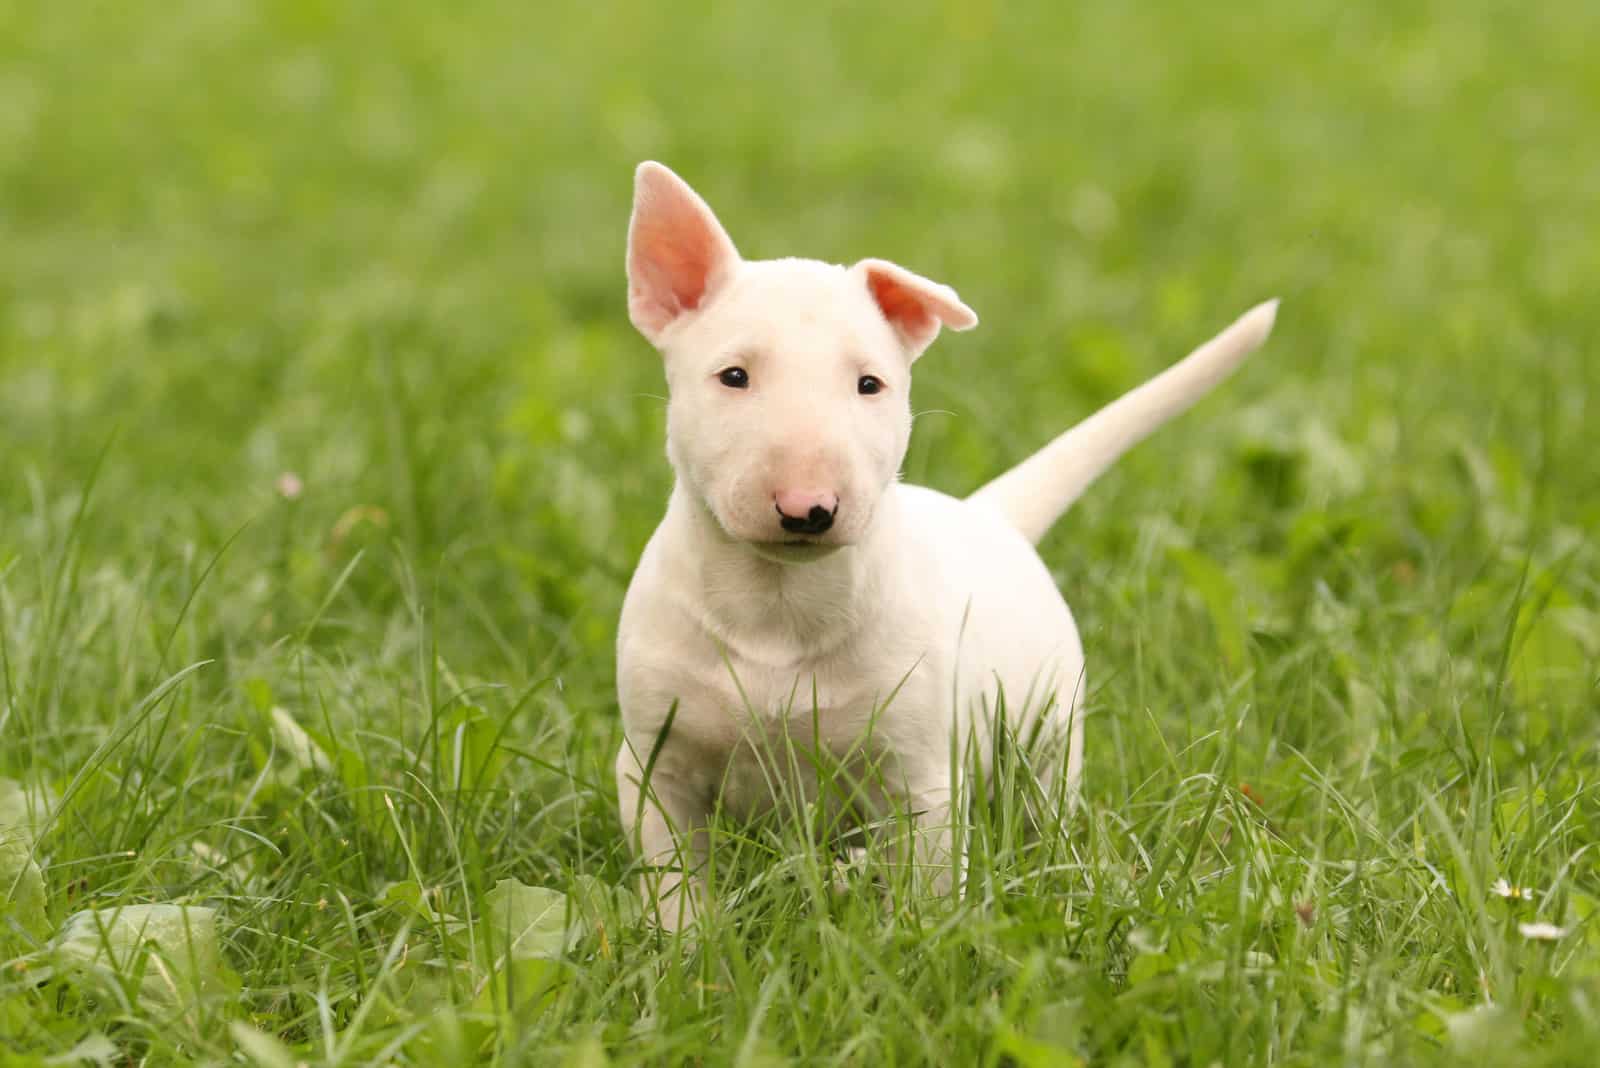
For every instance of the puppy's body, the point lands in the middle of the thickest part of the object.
(875, 653)
(798, 603)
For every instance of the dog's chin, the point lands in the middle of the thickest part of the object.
(795, 551)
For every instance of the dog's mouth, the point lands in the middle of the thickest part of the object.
(794, 550)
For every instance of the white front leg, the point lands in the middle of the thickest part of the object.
(665, 822)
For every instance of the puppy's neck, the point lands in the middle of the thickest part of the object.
(773, 613)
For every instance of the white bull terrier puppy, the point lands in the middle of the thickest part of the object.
(797, 592)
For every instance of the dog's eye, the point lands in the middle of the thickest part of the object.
(867, 385)
(734, 378)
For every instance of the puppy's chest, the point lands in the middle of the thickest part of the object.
(835, 696)
(839, 715)
(864, 687)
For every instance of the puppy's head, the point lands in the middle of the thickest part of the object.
(789, 380)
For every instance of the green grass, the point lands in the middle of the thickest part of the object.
(1343, 621)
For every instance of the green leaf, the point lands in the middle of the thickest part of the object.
(408, 895)
(519, 986)
(600, 904)
(22, 896)
(450, 1037)
(474, 759)
(426, 906)
(22, 891)
(587, 1053)
(24, 808)
(528, 930)
(1028, 1052)
(1147, 966)
(526, 922)
(172, 950)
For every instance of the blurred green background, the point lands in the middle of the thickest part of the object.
(380, 246)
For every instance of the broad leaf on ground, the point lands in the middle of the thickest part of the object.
(172, 949)
(22, 897)
(526, 922)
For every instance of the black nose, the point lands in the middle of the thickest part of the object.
(816, 521)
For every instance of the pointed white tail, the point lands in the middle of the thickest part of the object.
(1035, 493)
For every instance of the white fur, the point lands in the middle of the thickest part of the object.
(880, 642)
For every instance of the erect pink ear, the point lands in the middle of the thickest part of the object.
(678, 254)
(914, 306)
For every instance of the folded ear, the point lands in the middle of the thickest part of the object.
(914, 306)
(678, 254)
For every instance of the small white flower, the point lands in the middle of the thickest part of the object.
(1541, 932)
(1501, 888)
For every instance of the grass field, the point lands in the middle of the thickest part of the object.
(1343, 621)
